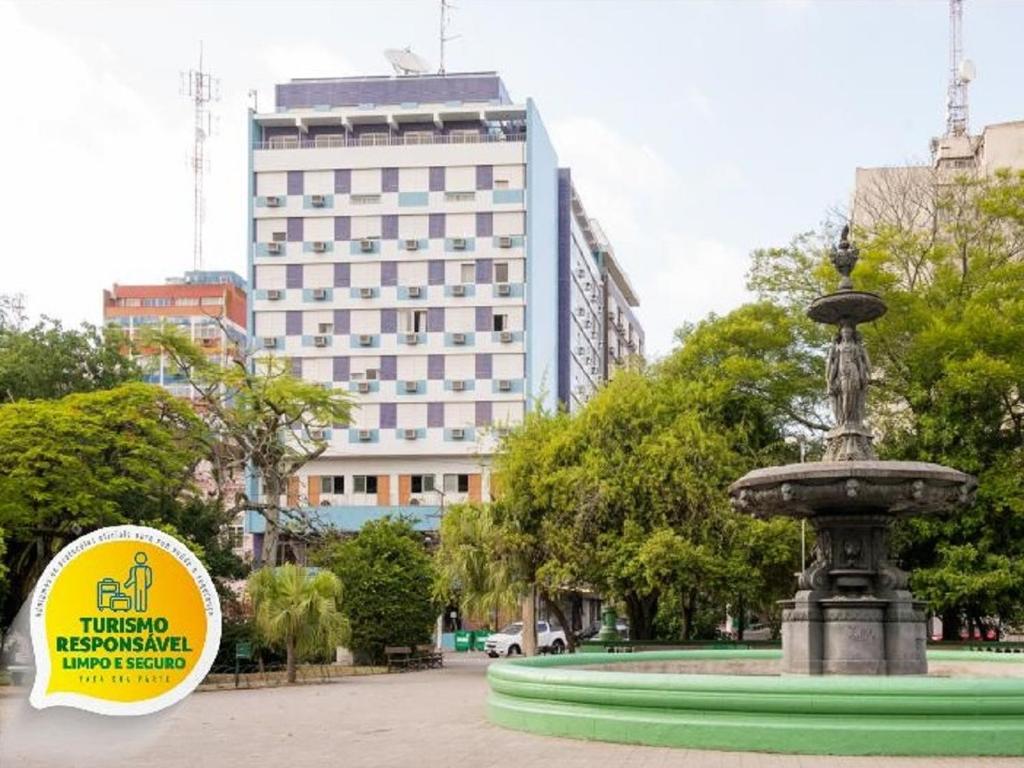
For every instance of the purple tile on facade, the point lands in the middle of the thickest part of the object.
(294, 229)
(343, 181)
(296, 367)
(483, 413)
(484, 176)
(484, 271)
(388, 415)
(293, 323)
(437, 179)
(484, 318)
(390, 90)
(484, 224)
(389, 227)
(435, 272)
(435, 319)
(484, 366)
(436, 225)
(388, 320)
(293, 276)
(342, 228)
(388, 367)
(342, 275)
(342, 321)
(435, 367)
(435, 414)
(389, 179)
(389, 273)
(341, 368)
(295, 182)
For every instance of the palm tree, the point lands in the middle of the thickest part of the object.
(297, 609)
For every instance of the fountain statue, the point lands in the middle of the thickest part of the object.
(853, 612)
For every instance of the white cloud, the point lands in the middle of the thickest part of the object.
(99, 188)
(640, 201)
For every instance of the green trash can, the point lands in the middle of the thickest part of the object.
(480, 639)
(463, 641)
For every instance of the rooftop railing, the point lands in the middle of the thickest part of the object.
(381, 140)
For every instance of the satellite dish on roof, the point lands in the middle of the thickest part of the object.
(405, 62)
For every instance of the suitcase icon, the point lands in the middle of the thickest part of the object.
(109, 595)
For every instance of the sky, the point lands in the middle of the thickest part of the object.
(696, 131)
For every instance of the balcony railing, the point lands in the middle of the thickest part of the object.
(379, 140)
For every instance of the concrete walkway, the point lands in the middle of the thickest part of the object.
(419, 719)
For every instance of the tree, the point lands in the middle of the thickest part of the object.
(69, 466)
(388, 579)
(297, 610)
(259, 415)
(48, 361)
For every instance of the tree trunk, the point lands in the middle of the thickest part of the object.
(555, 608)
(530, 621)
(689, 608)
(290, 656)
(271, 514)
(950, 625)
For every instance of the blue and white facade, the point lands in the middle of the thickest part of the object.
(406, 247)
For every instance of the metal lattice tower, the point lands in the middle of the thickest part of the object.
(199, 86)
(956, 103)
(446, 20)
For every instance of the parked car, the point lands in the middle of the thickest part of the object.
(508, 641)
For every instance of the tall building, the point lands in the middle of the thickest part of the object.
(210, 306)
(905, 194)
(414, 242)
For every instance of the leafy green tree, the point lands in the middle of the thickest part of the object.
(388, 579)
(259, 415)
(470, 569)
(296, 610)
(69, 466)
(48, 361)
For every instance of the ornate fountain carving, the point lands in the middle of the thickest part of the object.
(853, 612)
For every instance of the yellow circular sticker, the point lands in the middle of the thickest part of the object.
(124, 621)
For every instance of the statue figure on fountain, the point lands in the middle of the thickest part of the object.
(848, 372)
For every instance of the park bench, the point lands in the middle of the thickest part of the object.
(398, 657)
(427, 658)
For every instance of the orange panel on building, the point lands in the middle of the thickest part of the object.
(313, 489)
(383, 490)
(475, 488)
(293, 491)
(404, 489)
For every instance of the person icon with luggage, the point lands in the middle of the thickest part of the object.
(140, 579)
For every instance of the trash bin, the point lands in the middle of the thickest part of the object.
(480, 639)
(463, 641)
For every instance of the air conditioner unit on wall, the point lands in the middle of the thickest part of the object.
(415, 292)
(506, 337)
(273, 201)
(321, 341)
(319, 294)
(412, 386)
(504, 385)
(503, 289)
(274, 248)
(458, 385)
(319, 246)
(459, 243)
(458, 434)
(274, 294)
(365, 340)
(366, 245)
(458, 338)
(412, 338)
(365, 434)
(269, 342)
(317, 201)
(410, 434)
(363, 386)
(412, 245)
(458, 290)
(366, 293)
(504, 241)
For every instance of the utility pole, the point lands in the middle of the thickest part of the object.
(199, 86)
(446, 20)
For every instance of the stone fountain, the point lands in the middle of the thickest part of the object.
(853, 613)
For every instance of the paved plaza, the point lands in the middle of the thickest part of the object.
(421, 719)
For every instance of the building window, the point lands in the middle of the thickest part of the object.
(501, 322)
(211, 301)
(456, 483)
(236, 536)
(501, 183)
(464, 135)
(364, 484)
(187, 301)
(501, 271)
(414, 320)
(422, 483)
(279, 237)
(156, 302)
(334, 484)
(325, 328)
(468, 272)
(419, 137)
(370, 374)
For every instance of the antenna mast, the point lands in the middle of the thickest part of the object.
(446, 20)
(959, 73)
(201, 88)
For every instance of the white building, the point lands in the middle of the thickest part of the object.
(410, 243)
